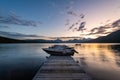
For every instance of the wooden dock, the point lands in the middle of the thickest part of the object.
(61, 68)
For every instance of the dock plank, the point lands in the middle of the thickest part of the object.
(61, 68)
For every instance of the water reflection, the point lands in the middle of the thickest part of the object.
(116, 50)
(21, 61)
(100, 60)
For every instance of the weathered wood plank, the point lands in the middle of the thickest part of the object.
(62, 79)
(61, 68)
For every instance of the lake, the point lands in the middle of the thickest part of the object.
(21, 61)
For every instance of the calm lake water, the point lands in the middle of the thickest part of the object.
(21, 61)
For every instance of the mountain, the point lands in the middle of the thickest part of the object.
(77, 40)
(9, 40)
(114, 37)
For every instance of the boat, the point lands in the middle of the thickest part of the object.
(78, 44)
(60, 50)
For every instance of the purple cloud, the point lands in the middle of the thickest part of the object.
(71, 26)
(93, 30)
(17, 20)
(81, 27)
(71, 13)
(74, 29)
(116, 23)
(68, 7)
(104, 30)
(99, 30)
(82, 16)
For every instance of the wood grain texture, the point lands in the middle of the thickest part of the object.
(61, 68)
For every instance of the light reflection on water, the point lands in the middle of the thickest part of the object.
(101, 61)
(21, 61)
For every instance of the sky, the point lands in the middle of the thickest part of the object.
(58, 18)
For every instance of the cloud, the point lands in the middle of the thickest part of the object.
(104, 29)
(74, 26)
(79, 19)
(82, 16)
(81, 27)
(75, 29)
(93, 30)
(116, 23)
(69, 12)
(18, 35)
(99, 30)
(76, 23)
(68, 7)
(72, 13)
(17, 20)
(71, 26)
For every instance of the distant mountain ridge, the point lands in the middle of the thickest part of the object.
(114, 37)
(9, 40)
